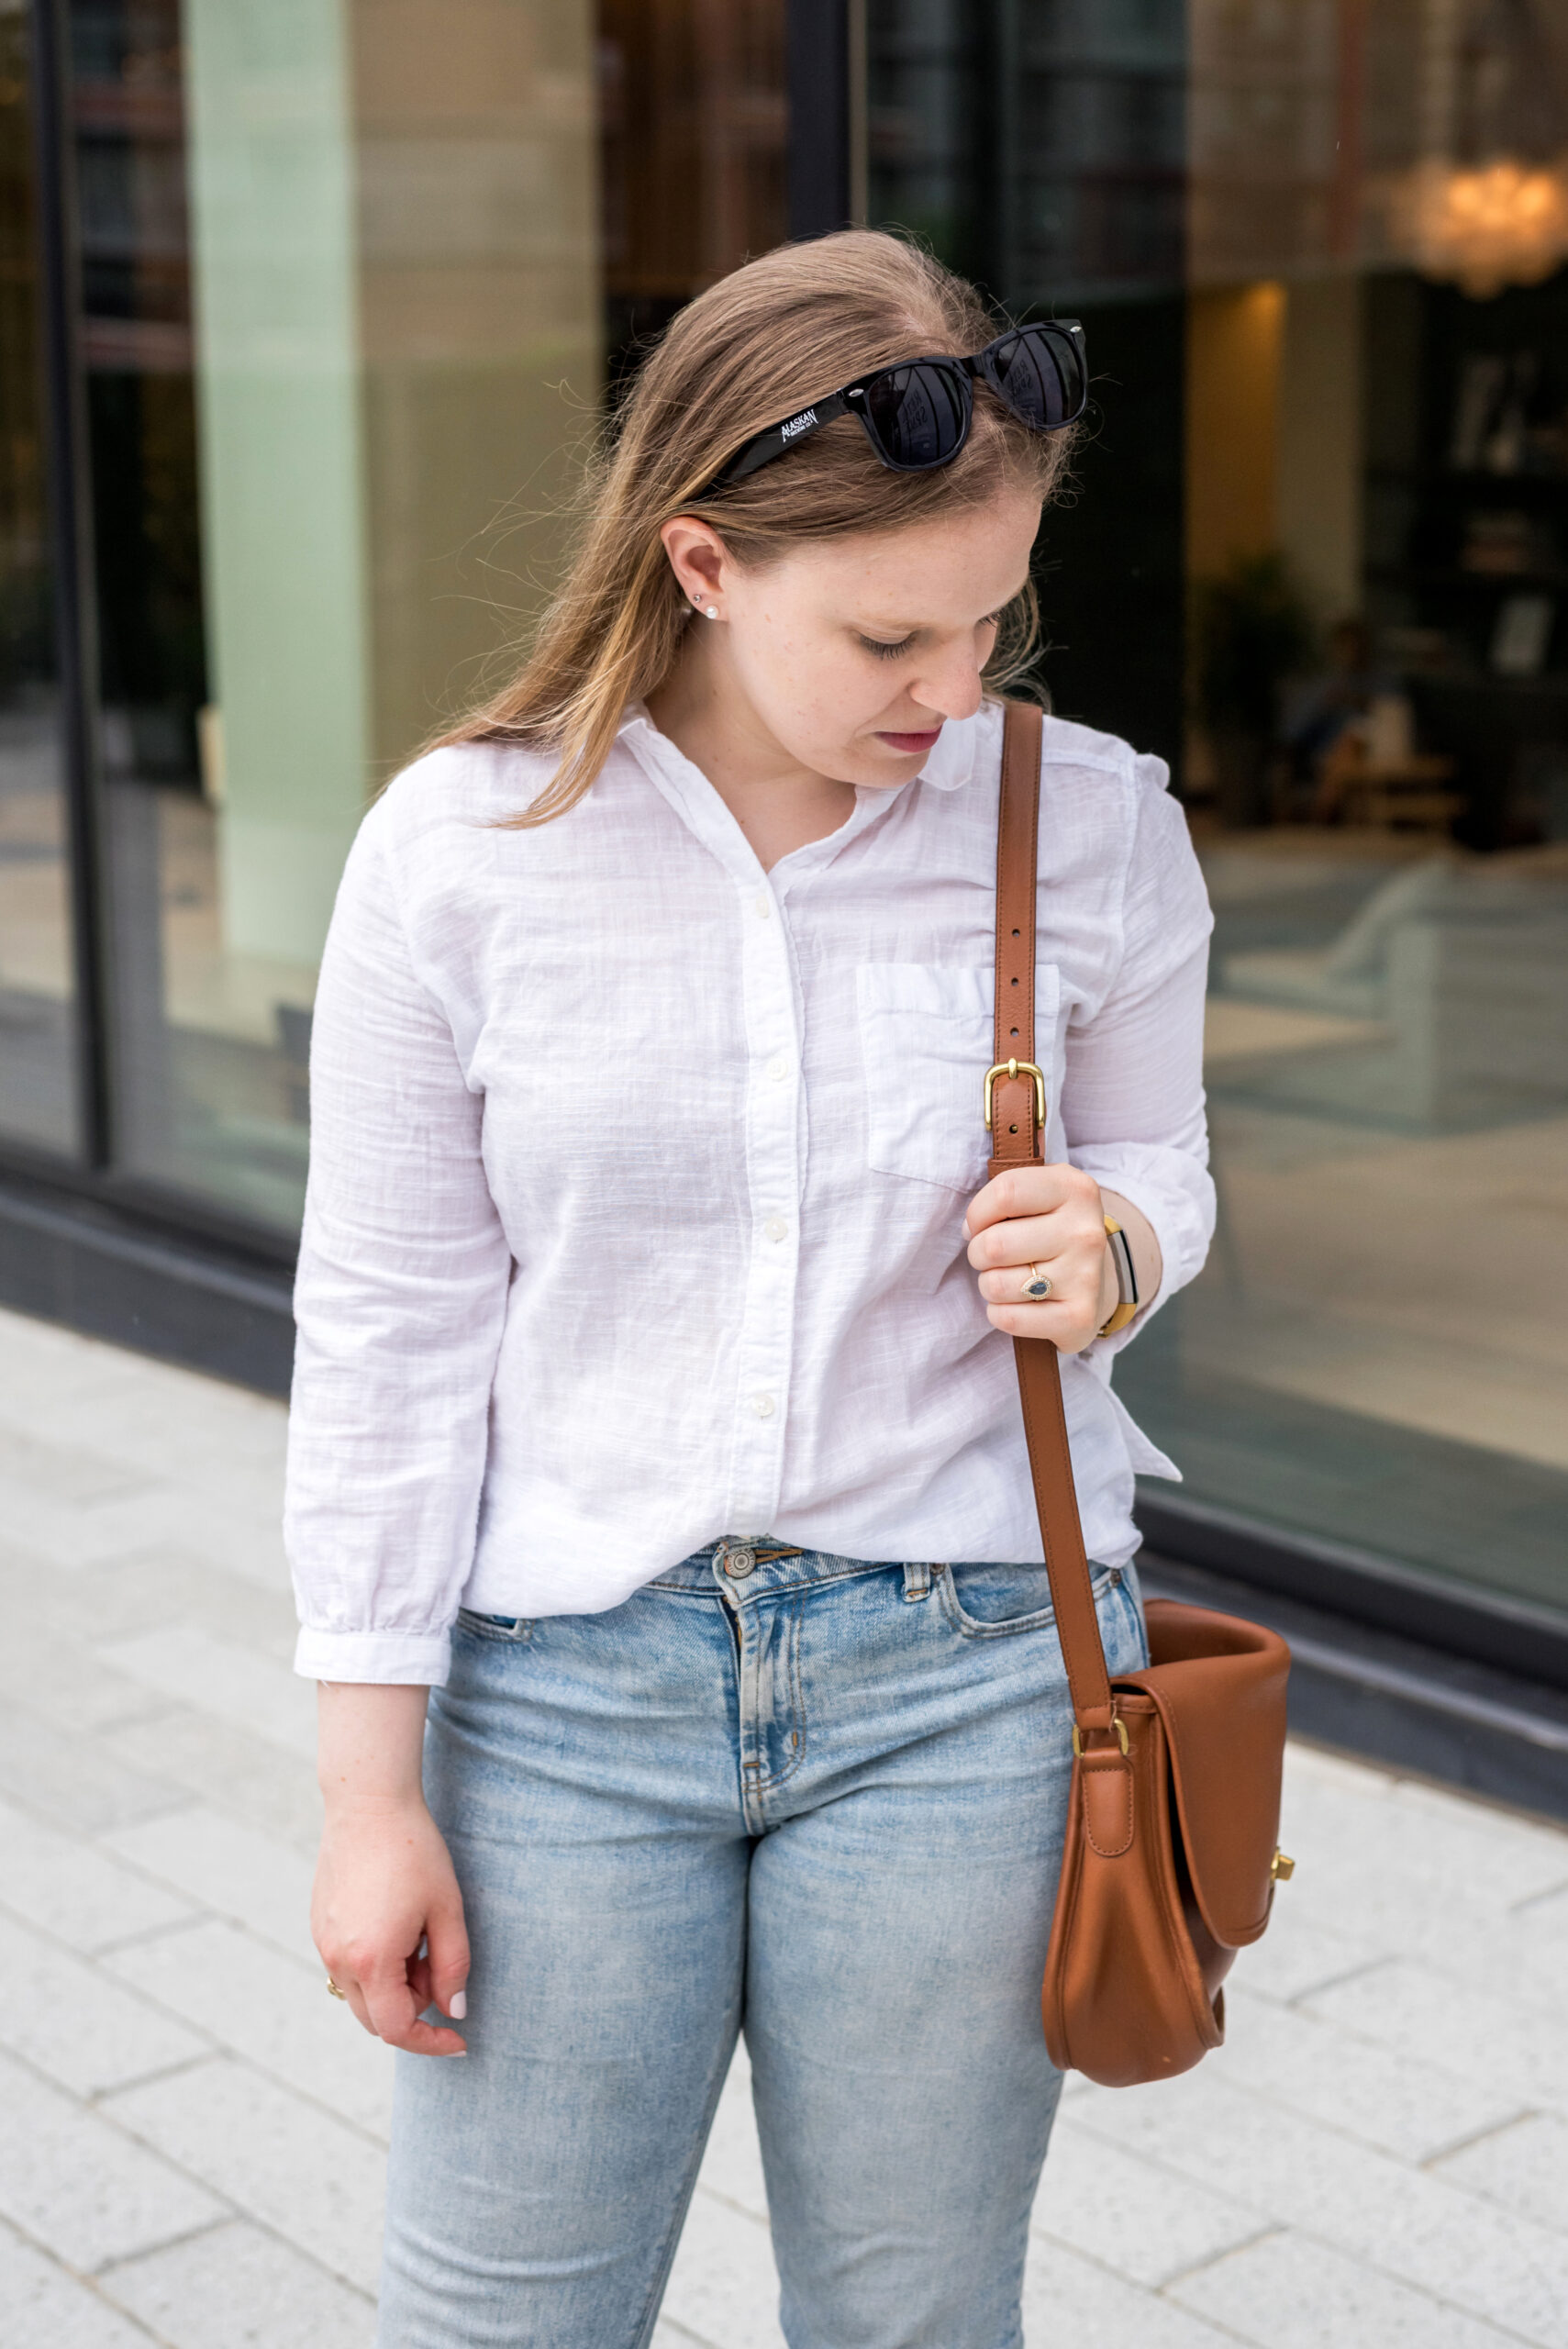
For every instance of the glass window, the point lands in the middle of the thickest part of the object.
(38, 1060)
(347, 294)
(1320, 558)
(339, 294)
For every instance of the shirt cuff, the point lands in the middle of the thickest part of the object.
(1178, 1201)
(418, 1659)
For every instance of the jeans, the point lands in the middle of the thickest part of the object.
(818, 1800)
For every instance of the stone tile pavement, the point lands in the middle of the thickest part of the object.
(193, 2133)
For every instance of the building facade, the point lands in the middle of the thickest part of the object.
(309, 306)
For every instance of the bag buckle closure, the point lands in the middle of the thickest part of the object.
(1016, 1068)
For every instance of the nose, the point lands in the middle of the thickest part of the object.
(954, 689)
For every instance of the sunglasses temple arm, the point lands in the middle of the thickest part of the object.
(773, 442)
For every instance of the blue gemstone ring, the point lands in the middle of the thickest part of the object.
(1038, 1284)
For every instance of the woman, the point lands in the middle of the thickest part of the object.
(652, 1387)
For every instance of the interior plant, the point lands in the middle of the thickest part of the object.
(1251, 628)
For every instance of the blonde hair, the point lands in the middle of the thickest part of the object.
(760, 343)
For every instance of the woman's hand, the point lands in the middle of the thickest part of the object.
(1052, 1219)
(385, 1889)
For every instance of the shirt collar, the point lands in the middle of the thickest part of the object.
(949, 768)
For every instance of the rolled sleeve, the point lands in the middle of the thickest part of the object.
(1132, 1094)
(399, 1305)
(418, 1658)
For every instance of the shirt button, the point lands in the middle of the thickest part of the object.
(763, 1406)
(776, 1227)
(778, 1068)
(761, 902)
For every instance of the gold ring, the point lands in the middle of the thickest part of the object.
(1038, 1284)
(333, 1986)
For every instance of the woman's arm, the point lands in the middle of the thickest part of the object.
(400, 1301)
(384, 1885)
(1132, 1104)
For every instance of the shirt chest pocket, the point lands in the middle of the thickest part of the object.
(926, 1043)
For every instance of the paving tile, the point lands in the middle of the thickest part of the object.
(269, 2008)
(76, 1782)
(56, 1674)
(724, 2286)
(68, 2020)
(1298, 1954)
(73, 1891)
(142, 1591)
(80, 2187)
(732, 2160)
(1525, 2168)
(310, 2176)
(38, 1467)
(45, 2308)
(236, 2287)
(1068, 2299)
(1287, 2293)
(258, 1881)
(215, 1677)
(1126, 2214)
(1494, 2263)
(273, 1791)
(1400, 1876)
(1406, 2103)
(1490, 2037)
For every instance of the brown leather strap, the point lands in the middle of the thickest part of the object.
(1015, 1141)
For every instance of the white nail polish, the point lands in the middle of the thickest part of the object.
(458, 2008)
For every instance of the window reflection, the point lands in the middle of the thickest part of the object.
(1378, 773)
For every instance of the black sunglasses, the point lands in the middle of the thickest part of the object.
(917, 414)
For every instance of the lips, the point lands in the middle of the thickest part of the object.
(910, 745)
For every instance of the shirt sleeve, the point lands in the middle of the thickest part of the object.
(1132, 1097)
(399, 1305)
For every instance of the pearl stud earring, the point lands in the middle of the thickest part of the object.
(713, 611)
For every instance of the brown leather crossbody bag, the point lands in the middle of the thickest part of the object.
(1171, 1857)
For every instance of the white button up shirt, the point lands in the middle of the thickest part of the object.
(638, 1178)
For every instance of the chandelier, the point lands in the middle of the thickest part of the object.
(1484, 226)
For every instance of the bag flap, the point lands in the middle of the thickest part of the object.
(1219, 1686)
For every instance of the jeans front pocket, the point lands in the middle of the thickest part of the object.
(993, 1602)
(509, 1629)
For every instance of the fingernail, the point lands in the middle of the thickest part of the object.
(966, 1231)
(458, 2006)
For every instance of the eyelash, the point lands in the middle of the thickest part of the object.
(891, 652)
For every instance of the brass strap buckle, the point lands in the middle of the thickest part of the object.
(1117, 1723)
(1016, 1068)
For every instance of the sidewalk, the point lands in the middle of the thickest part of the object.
(194, 2131)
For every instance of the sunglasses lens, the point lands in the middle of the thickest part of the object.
(1038, 371)
(919, 414)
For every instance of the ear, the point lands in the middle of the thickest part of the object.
(698, 558)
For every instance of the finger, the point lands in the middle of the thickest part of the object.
(1020, 1240)
(1067, 1328)
(1020, 1190)
(354, 1999)
(395, 2017)
(1072, 1288)
(449, 1960)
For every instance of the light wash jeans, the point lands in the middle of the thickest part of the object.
(822, 1801)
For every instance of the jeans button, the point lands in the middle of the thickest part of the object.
(739, 1563)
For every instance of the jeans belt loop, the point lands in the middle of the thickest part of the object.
(916, 1578)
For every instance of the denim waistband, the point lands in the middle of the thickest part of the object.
(766, 1564)
(762, 1564)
